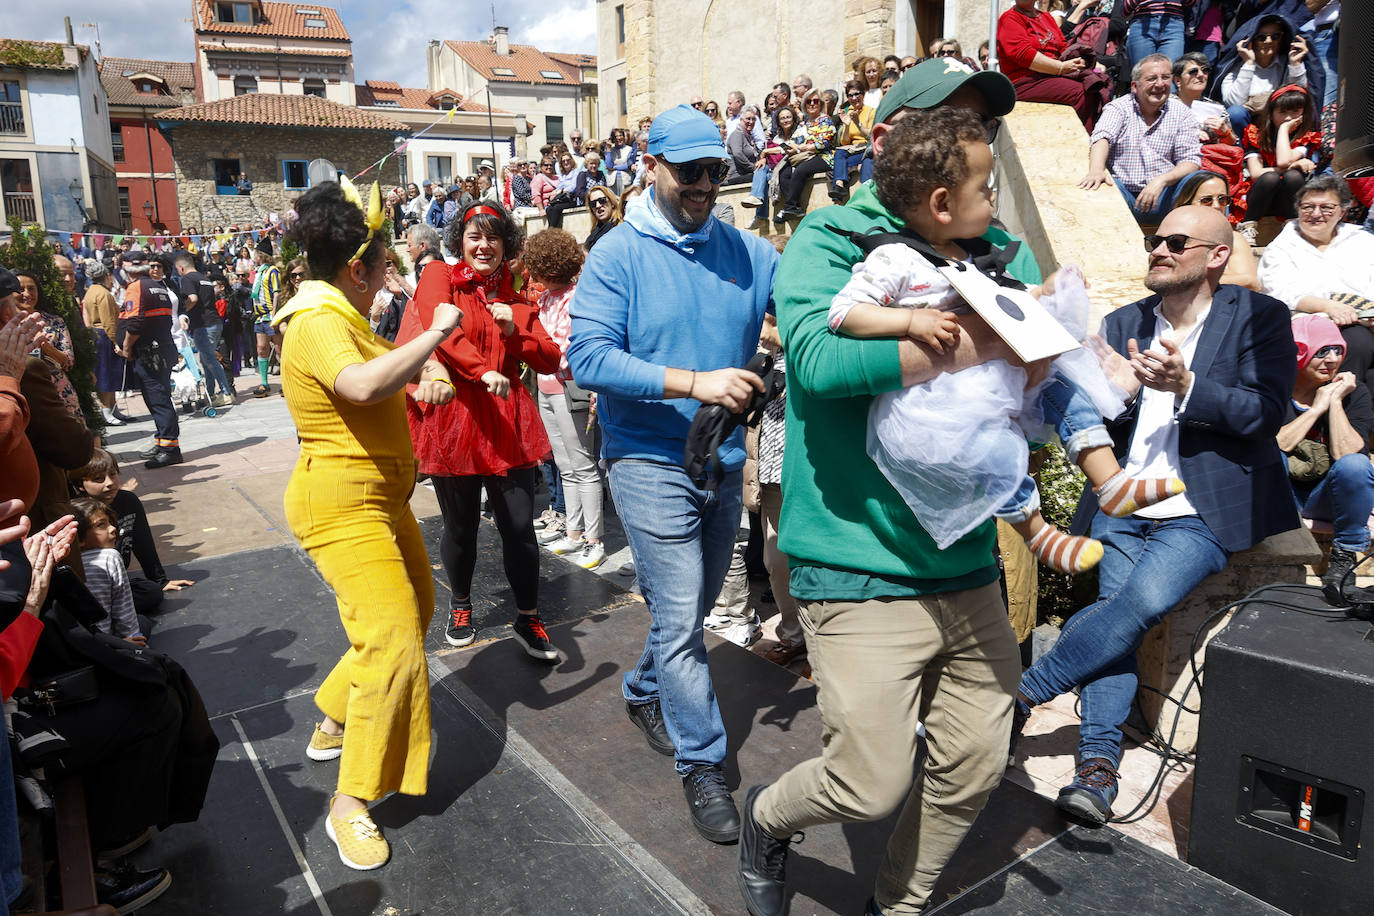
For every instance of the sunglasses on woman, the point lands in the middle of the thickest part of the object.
(713, 111)
(689, 173)
(597, 202)
(1329, 350)
(1177, 243)
(298, 276)
(1194, 71)
(1214, 199)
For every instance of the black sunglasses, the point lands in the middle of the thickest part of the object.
(597, 202)
(1177, 243)
(713, 110)
(1194, 71)
(689, 173)
(1329, 350)
(296, 276)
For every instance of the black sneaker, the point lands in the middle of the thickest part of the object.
(150, 451)
(127, 889)
(648, 718)
(1338, 582)
(529, 632)
(762, 863)
(712, 809)
(164, 457)
(459, 631)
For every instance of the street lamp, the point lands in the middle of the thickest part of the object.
(148, 213)
(78, 194)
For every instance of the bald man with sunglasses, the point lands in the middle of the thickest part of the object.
(1209, 369)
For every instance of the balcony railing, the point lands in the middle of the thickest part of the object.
(20, 204)
(11, 117)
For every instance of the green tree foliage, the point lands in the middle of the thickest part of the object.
(30, 249)
(1061, 484)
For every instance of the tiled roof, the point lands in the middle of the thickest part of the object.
(381, 92)
(35, 55)
(267, 110)
(280, 19)
(116, 73)
(572, 64)
(526, 62)
(278, 52)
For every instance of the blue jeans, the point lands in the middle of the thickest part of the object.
(680, 537)
(1148, 567)
(759, 188)
(11, 879)
(207, 345)
(846, 161)
(1079, 426)
(554, 481)
(1344, 497)
(1154, 34)
(1165, 203)
(1324, 46)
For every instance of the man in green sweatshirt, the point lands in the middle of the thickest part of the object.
(898, 632)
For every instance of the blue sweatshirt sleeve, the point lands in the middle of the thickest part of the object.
(598, 349)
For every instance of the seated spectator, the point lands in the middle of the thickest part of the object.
(544, 185)
(851, 144)
(744, 149)
(641, 144)
(1281, 151)
(788, 136)
(810, 158)
(868, 73)
(97, 534)
(1156, 27)
(984, 55)
(604, 206)
(99, 480)
(1243, 268)
(1326, 438)
(1030, 45)
(565, 198)
(1149, 141)
(57, 348)
(1269, 58)
(1191, 72)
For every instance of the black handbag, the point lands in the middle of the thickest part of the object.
(53, 693)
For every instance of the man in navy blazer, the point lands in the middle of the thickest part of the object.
(1209, 369)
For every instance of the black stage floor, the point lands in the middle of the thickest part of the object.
(543, 798)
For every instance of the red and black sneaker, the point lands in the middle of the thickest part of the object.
(459, 631)
(529, 632)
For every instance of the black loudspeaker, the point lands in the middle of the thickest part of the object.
(1285, 758)
(1355, 111)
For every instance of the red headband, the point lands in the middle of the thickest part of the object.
(482, 210)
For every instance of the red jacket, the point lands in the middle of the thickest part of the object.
(1020, 37)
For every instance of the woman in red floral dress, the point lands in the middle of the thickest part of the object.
(1282, 148)
(490, 435)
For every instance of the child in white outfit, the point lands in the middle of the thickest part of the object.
(955, 447)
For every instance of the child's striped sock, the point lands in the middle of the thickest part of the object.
(1066, 553)
(1121, 495)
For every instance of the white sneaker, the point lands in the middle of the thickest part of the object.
(627, 568)
(743, 634)
(717, 622)
(544, 518)
(564, 545)
(751, 201)
(592, 555)
(110, 418)
(553, 531)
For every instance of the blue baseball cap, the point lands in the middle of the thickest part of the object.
(683, 134)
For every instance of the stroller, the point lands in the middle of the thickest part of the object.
(188, 388)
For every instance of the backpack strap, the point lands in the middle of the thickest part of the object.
(987, 258)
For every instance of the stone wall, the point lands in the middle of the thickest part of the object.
(260, 151)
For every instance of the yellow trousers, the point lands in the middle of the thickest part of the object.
(353, 518)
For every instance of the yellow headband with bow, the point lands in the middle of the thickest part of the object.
(372, 212)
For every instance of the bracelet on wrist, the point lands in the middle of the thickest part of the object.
(444, 381)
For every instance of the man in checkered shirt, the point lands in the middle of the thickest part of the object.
(1149, 141)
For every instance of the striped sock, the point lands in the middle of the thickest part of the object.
(1121, 495)
(1066, 553)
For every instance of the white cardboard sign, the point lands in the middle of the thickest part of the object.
(1013, 314)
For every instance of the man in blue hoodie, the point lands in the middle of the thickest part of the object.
(669, 305)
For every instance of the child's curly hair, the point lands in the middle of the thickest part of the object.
(923, 152)
(553, 255)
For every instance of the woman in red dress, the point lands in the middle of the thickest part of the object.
(490, 435)
(1030, 45)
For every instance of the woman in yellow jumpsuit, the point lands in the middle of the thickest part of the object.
(348, 503)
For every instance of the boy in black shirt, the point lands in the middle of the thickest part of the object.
(200, 319)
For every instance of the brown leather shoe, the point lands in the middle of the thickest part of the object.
(783, 654)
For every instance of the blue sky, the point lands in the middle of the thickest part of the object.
(389, 38)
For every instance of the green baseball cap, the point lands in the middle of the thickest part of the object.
(930, 82)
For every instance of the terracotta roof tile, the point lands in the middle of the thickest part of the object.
(526, 62)
(279, 19)
(381, 92)
(35, 55)
(267, 110)
(572, 64)
(116, 73)
(278, 52)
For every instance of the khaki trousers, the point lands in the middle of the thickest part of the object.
(880, 666)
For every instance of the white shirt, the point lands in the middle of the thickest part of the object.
(1293, 267)
(1154, 445)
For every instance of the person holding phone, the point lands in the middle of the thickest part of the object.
(856, 126)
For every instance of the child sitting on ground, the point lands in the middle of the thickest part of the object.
(954, 447)
(97, 532)
(100, 480)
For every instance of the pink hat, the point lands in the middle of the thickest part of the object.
(1311, 333)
